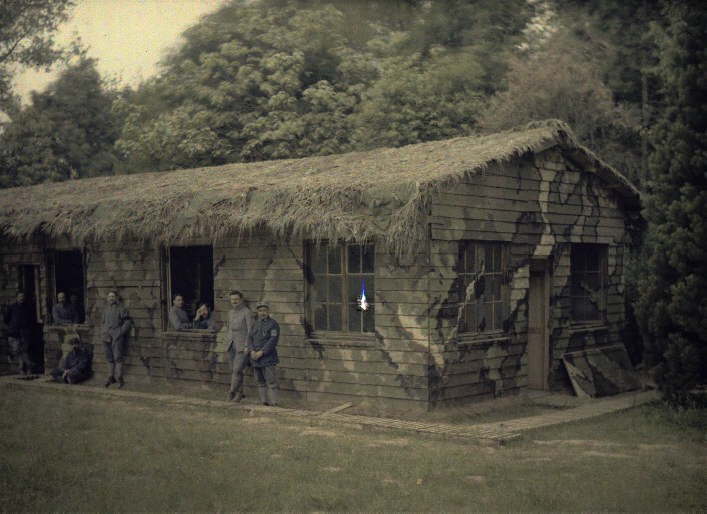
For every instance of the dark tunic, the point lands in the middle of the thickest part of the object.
(19, 319)
(264, 336)
(208, 323)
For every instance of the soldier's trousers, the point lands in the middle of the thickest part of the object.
(267, 383)
(19, 353)
(114, 355)
(239, 363)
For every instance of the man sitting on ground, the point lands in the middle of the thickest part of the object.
(77, 365)
(64, 313)
(178, 317)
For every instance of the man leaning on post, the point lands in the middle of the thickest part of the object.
(114, 328)
(240, 321)
(262, 346)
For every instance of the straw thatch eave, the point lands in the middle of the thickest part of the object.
(380, 194)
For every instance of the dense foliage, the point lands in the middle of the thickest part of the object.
(672, 305)
(26, 38)
(68, 131)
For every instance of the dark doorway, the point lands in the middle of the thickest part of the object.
(28, 283)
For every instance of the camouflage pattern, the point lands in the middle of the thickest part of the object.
(417, 358)
(539, 207)
(601, 371)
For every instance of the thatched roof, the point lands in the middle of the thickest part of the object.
(355, 196)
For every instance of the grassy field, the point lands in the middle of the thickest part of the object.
(70, 453)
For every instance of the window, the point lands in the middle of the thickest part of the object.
(588, 282)
(191, 274)
(483, 289)
(68, 277)
(337, 275)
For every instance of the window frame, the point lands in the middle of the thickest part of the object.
(167, 288)
(503, 275)
(53, 290)
(310, 304)
(602, 271)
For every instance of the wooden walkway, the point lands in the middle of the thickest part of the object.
(485, 433)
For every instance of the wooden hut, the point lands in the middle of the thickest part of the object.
(485, 260)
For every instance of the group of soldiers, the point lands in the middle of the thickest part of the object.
(252, 340)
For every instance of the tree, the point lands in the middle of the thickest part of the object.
(672, 305)
(68, 131)
(562, 79)
(26, 37)
(285, 78)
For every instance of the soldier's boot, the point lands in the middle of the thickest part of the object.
(111, 378)
(272, 393)
(263, 393)
(119, 374)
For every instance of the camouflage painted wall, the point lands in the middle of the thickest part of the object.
(539, 206)
(416, 359)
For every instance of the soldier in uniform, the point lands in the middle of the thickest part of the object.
(64, 313)
(178, 318)
(240, 321)
(262, 345)
(204, 319)
(20, 321)
(77, 365)
(115, 326)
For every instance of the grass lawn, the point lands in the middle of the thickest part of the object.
(71, 453)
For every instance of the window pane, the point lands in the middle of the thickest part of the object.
(320, 317)
(592, 258)
(370, 289)
(577, 289)
(577, 259)
(493, 287)
(369, 324)
(592, 281)
(578, 309)
(334, 259)
(354, 318)
(334, 288)
(318, 258)
(497, 258)
(471, 258)
(471, 320)
(498, 315)
(353, 288)
(317, 290)
(368, 259)
(488, 258)
(354, 259)
(591, 311)
(486, 323)
(335, 316)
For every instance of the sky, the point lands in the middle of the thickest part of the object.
(128, 37)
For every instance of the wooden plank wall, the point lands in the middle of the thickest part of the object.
(539, 205)
(385, 370)
(381, 371)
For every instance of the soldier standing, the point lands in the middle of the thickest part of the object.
(240, 321)
(20, 320)
(262, 345)
(114, 329)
